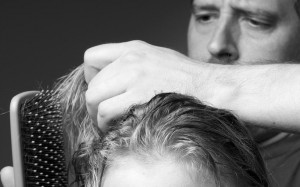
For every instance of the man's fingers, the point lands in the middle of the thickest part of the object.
(98, 57)
(115, 107)
(104, 90)
(7, 177)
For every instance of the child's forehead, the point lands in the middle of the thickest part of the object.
(131, 172)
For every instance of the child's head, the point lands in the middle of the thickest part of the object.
(173, 140)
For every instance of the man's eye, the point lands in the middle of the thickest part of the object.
(205, 18)
(258, 23)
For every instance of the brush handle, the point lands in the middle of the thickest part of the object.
(16, 135)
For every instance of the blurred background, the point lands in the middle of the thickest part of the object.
(42, 40)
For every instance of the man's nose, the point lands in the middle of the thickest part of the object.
(222, 45)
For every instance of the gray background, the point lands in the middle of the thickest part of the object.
(42, 40)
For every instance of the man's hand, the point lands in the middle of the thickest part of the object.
(7, 177)
(120, 75)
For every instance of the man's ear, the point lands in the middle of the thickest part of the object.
(297, 7)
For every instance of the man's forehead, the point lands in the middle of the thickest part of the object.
(263, 4)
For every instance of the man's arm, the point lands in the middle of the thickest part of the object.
(266, 95)
(123, 74)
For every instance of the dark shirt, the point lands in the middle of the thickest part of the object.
(282, 157)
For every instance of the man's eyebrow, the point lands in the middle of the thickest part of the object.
(256, 12)
(248, 11)
(204, 6)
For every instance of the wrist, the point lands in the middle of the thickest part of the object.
(215, 85)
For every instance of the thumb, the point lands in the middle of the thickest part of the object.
(7, 177)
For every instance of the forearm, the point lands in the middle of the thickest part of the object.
(266, 95)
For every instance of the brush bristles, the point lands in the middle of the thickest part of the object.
(43, 147)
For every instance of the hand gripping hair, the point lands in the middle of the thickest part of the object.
(170, 125)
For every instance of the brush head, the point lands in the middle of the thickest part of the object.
(42, 141)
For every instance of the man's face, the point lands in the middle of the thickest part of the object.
(244, 31)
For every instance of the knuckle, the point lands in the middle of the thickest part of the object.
(138, 42)
(89, 97)
(87, 55)
(103, 110)
(133, 56)
(135, 76)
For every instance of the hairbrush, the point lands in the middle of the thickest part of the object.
(37, 140)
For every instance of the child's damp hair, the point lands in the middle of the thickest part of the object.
(170, 125)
